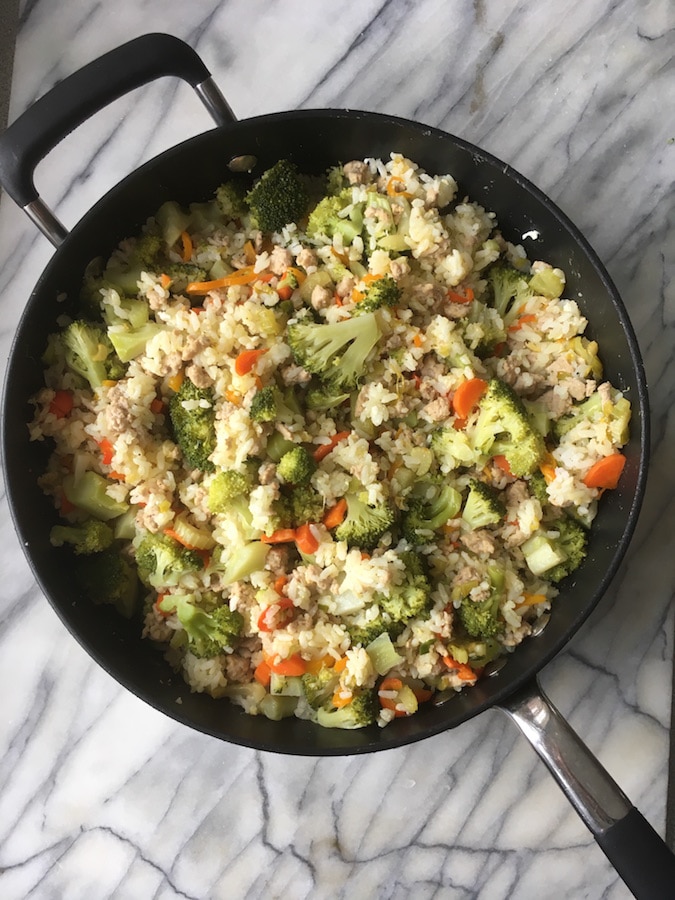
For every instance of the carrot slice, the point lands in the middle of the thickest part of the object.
(605, 473)
(467, 396)
(176, 380)
(291, 666)
(165, 280)
(282, 536)
(263, 674)
(107, 451)
(522, 320)
(305, 540)
(280, 584)
(62, 404)
(340, 665)
(157, 406)
(187, 248)
(249, 253)
(464, 672)
(393, 187)
(247, 359)
(169, 532)
(461, 298)
(502, 463)
(336, 514)
(323, 450)
(339, 701)
(285, 292)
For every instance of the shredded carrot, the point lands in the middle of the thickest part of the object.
(467, 396)
(282, 536)
(285, 292)
(107, 451)
(305, 540)
(502, 463)
(548, 471)
(247, 275)
(187, 248)
(532, 599)
(233, 397)
(246, 360)
(176, 380)
(417, 340)
(263, 674)
(281, 615)
(466, 297)
(464, 672)
(249, 253)
(520, 321)
(336, 514)
(340, 665)
(343, 257)
(157, 406)
(280, 584)
(62, 404)
(323, 450)
(165, 280)
(291, 666)
(393, 190)
(337, 299)
(117, 476)
(169, 532)
(605, 473)
(342, 699)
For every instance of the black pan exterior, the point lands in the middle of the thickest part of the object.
(314, 140)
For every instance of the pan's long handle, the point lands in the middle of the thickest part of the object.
(76, 98)
(630, 843)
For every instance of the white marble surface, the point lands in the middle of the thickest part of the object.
(100, 796)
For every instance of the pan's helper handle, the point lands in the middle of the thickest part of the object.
(630, 843)
(37, 131)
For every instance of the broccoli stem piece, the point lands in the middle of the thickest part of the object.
(89, 493)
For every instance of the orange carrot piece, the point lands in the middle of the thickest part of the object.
(282, 536)
(285, 292)
(422, 695)
(187, 247)
(456, 297)
(176, 380)
(280, 584)
(263, 674)
(157, 406)
(467, 396)
(107, 451)
(339, 701)
(605, 473)
(62, 404)
(233, 397)
(532, 599)
(393, 189)
(340, 665)
(464, 672)
(249, 253)
(417, 340)
(323, 450)
(169, 532)
(548, 471)
(336, 514)
(522, 320)
(502, 463)
(291, 666)
(305, 540)
(165, 280)
(242, 276)
(314, 666)
(246, 360)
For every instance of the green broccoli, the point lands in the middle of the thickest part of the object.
(325, 220)
(481, 619)
(364, 525)
(383, 292)
(91, 536)
(89, 492)
(453, 449)
(361, 712)
(412, 598)
(307, 505)
(319, 688)
(162, 561)
(278, 197)
(487, 331)
(323, 397)
(227, 486)
(108, 577)
(270, 405)
(230, 197)
(296, 466)
(507, 284)
(553, 558)
(612, 409)
(194, 428)
(429, 507)
(336, 352)
(209, 633)
(147, 249)
(537, 485)
(182, 274)
(483, 506)
(336, 180)
(504, 428)
(89, 353)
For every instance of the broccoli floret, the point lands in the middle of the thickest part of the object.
(537, 484)
(336, 180)
(364, 525)
(91, 536)
(506, 284)
(325, 220)
(483, 506)
(306, 505)
(383, 292)
(361, 712)
(230, 197)
(89, 492)
(227, 486)
(323, 397)
(481, 619)
(555, 558)
(209, 633)
(270, 405)
(611, 408)
(161, 561)
(89, 353)
(487, 331)
(366, 634)
(296, 466)
(108, 577)
(194, 429)
(278, 197)
(503, 427)
(429, 508)
(336, 352)
(319, 688)
(147, 249)
(412, 598)
(182, 274)
(453, 449)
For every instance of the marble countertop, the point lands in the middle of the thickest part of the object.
(101, 796)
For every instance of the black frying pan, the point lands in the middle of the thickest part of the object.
(314, 140)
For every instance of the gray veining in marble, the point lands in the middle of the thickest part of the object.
(100, 796)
